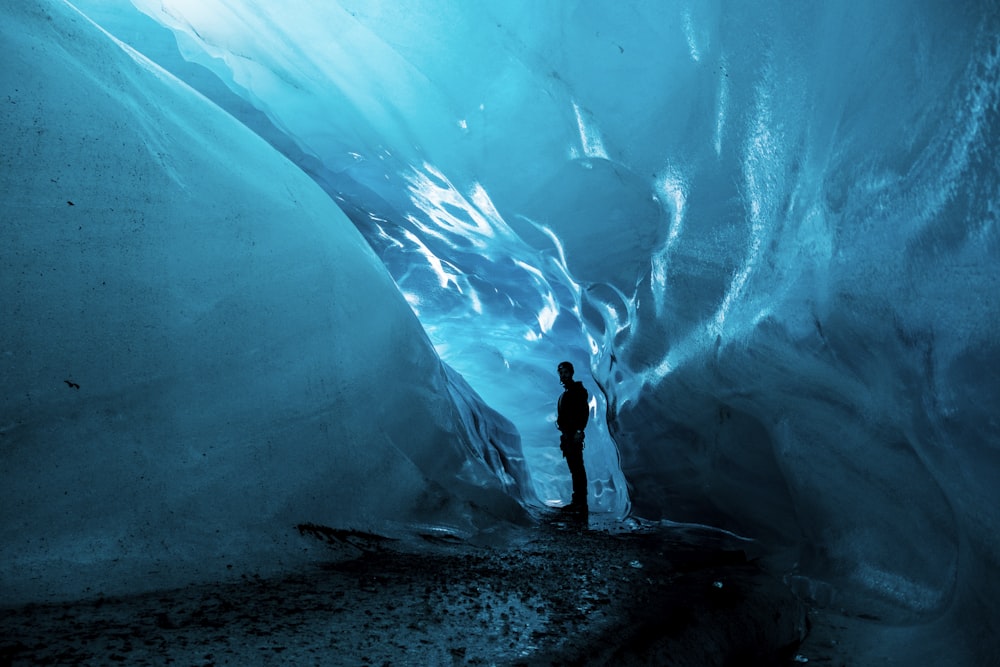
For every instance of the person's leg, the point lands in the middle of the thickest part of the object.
(574, 458)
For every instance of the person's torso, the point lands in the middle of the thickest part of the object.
(573, 406)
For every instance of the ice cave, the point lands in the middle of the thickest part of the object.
(267, 265)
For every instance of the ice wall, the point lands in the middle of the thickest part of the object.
(199, 351)
(383, 133)
(771, 226)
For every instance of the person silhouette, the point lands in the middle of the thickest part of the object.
(571, 420)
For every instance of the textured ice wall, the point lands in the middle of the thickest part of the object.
(404, 135)
(779, 231)
(827, 305)
(198, 349)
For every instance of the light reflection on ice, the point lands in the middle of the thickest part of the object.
(447, 208)
(590, 136)
(894, 137)
(502, 313)
(760, 168)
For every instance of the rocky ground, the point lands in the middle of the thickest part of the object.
(567, 592)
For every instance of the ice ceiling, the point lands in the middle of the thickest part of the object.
(768, 231)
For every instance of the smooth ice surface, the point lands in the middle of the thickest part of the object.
(769, 231)
(199, 350)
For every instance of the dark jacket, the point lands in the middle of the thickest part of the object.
(574, 408)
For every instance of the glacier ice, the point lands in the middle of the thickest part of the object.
(199, 350)
(768, 229)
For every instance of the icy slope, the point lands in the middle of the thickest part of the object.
(198, 349)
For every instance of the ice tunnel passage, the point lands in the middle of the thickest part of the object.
(768, 230)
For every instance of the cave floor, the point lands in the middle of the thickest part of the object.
(568, 592)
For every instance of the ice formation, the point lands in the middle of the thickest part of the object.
(199, 350)
(769, 230)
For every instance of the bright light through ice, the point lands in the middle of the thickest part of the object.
(484, 206)
(414, 301)
(672, 190)
(590, 137)
(547, 315)
(433, 261)
(209, 16)
(689, 34)
(722, 104)
(447, 208)
(761, 152)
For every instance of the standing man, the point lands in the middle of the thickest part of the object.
(573, 413)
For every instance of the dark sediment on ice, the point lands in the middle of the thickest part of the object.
(562, 593)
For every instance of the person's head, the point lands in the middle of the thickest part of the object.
(565, 372)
